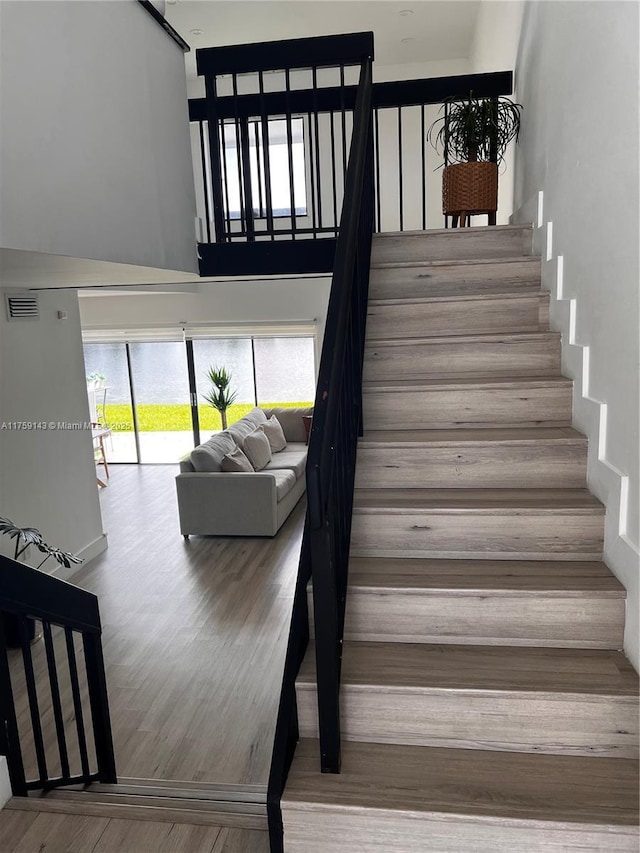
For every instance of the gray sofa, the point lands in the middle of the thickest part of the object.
(212, 502)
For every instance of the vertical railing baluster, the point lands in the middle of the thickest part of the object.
(227, 208)
(32, 694)
(493, 149)
(9, 734)
(55, 698)
(264, 123)
(77, 701)
(244, 167)
(205, 182)
(256, 137)
(378, 185)
(343, 114)
(292, 188)
(333, 172)
(98, 701)
(214, 158)
(423, 142)
(312, 181)
(314, 78)
(400, 177)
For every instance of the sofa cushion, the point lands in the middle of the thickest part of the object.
(272, 429)
(208, 456)
(246, 425)
(257, 449)
(293, 458)
(291, 421)
(285, 481)
(236, 461)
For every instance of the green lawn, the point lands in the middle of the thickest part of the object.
(177, 418)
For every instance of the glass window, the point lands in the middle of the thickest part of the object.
(285, 372)
(278, 168)
(234, 354)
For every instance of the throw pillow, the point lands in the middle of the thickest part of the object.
(207, 457)
(257, 449)
(273, 430)
(235, 462)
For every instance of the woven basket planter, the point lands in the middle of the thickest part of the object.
(470, 188)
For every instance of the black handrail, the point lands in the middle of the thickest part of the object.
(337, 422)
(27, 595)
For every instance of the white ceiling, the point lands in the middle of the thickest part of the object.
(437, 29)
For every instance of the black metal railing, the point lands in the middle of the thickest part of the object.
(272, 136)
(337, 423)
(53, 696)
(406, 175)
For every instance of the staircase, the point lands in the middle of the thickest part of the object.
(485, 703)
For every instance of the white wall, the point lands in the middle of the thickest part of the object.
(226, 302)
(577, 76)
(495, 48)
(47, 477)
(94, 140)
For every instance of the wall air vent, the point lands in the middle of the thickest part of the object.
(22, 305)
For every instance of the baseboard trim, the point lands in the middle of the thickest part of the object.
(87, 554)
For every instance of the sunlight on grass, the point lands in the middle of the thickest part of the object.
(177, 418)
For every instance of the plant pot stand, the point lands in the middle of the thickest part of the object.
(470, 189)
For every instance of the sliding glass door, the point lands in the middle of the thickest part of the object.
(152, 393)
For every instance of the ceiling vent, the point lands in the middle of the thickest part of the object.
(22, 305)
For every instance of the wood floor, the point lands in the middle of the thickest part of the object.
(36, 832)
(194, 639)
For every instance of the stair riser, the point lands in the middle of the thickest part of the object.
(502, 466)
(467, 279)
(436, 408)
(604, 727)
(527, 313)
(489, 620)
(353, 830)
(443, 359)
(451, 245)
(526, 535)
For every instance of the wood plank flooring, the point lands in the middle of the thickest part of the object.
(194, 638)
(36, 832)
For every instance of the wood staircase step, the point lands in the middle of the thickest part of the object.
(498, 355)
(502, 241)
(393, 798)
(389, 319)
(472, 458)
(554, 701)
(443, 278)
(504, 602)
(534, 524)
(407, 404)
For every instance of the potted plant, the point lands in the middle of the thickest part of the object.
(220, 397)
(473, 135)
(25, 538)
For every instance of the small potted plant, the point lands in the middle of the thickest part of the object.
(220, 397)
(473, 135)
(25, 538)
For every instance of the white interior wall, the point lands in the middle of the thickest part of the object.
(495, 48)
(94, 140)
(47, 475)
(577, 76)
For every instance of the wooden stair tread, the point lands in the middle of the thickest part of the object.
(476, 337)
(453, 232)
(477, 500)
(444, 437)
(512, 577)
(526, 259)
(402, 667)
(542, 295)
(463, 383)
(495, 786)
